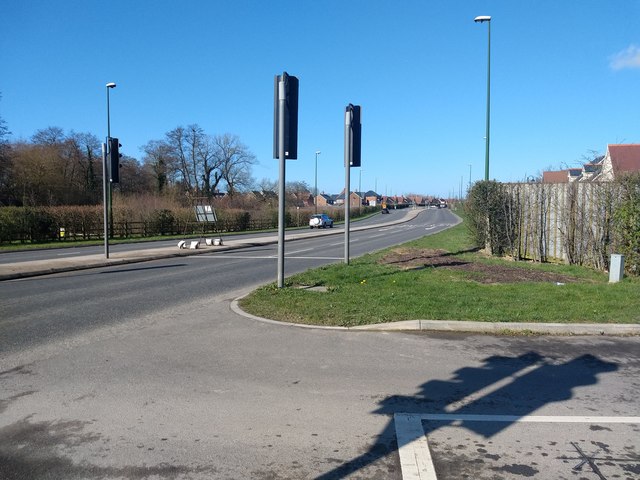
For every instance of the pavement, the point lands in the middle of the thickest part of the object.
(25, 269)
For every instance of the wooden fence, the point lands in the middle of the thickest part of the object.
(569, 222)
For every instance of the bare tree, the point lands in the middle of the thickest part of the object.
(161, 161)
(5, 164)
(235, 161)
(211, 165)
(182, 142)
(48, 136)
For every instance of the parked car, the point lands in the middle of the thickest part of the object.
(321, 220)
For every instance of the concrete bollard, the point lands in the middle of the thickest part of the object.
(616, 268)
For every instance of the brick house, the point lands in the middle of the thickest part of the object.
(619, 160)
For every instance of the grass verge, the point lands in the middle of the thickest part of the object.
(440, 277)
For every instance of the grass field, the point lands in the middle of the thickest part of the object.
(440, 277)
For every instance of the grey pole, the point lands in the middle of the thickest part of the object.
(482, 19)
(105, 193)
(359, 190)
(281, 187)
(486, 154)
(315, 200)
(106, 190)
(109, 185)
(347, 183)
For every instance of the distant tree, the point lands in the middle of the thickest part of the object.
(56, 169)
(48, 136)
(268, 185)
(211, 162)
(184, 143)
(235, 162)
(298, 190)
(6, 195)
(134, 177)
(161, 162)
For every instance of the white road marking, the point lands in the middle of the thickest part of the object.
(299, 251)
(413, 447)
(263, 257)
(416, 462)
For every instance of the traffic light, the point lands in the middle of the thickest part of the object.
(355, 150)
(290, 116)
(114, 160)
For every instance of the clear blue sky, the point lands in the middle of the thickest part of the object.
(565, 79)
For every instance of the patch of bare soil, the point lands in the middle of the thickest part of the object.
(415, 258)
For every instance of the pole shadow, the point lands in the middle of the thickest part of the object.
(503, 385)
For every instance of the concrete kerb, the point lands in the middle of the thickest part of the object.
(462, 326)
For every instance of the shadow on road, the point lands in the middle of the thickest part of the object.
(514, 386)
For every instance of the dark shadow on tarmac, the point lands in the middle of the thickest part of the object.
(543, 383)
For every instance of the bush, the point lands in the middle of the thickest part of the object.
(490, 221)
(627, 224)
(10, 224)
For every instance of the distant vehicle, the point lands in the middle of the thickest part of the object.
(321, 220)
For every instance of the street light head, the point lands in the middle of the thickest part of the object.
(482, 18)
(318, 152)
(111, 85)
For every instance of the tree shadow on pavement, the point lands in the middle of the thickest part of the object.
(514, 386)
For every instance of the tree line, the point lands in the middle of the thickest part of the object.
(55, 167)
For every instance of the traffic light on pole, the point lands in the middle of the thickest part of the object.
(291, 87)
(114, 160)
(355, 149)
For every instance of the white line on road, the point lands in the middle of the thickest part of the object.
(416, 462)
(413, 447)
(263, 257)
(299, 251)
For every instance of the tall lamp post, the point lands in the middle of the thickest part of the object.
(482, 19)
(315, 199)
(360, 189)
(109, 87)
(105, 174)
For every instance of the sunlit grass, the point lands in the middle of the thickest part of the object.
(367, 292)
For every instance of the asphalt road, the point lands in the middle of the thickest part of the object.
(143, 371)
(7, 257)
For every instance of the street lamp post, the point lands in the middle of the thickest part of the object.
(105, 174)
(315, 199)
(109, 86)
(360, 190)
(482, 19)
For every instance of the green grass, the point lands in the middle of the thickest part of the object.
(367, 292)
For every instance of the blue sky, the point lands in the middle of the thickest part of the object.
(565, 80)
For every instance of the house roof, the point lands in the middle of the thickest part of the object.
(556, 176)
(625, 158)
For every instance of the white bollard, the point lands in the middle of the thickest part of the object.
(616, 268)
